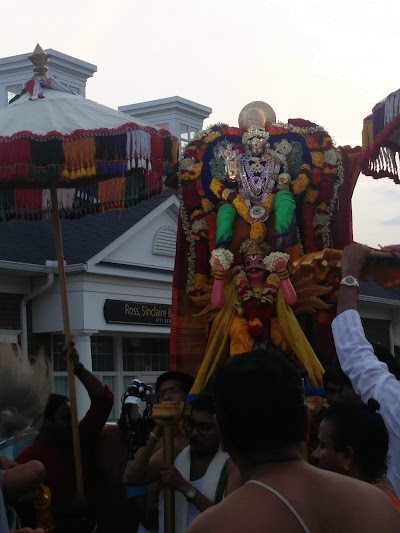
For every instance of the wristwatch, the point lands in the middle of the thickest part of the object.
(191, 494)
(350, 281)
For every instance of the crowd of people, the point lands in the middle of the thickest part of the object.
(240, 463)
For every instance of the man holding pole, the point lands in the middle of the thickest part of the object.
(53, 447)
(201, 475)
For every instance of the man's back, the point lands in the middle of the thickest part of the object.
(326, 502)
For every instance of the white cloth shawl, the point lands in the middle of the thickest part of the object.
(210, 483)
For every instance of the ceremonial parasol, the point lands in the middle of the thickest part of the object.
(380, 157)
(56, 151)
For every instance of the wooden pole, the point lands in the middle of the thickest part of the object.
(169, 496)
(67, 337)
(168, 415)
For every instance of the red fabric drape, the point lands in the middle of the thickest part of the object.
(342, 221)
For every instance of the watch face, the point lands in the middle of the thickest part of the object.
(191, 493)
(350, 281)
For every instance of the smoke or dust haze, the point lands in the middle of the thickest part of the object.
(24, 389)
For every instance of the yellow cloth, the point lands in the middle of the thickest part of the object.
(217, 347)
(241, 340)
(367, 133)
(229, 336)
(297, 341)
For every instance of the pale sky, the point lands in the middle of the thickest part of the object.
(328, 62)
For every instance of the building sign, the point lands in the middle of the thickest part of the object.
(137, 313)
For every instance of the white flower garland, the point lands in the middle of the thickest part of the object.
(225, 257)
(187, 164)
(299, 129)
(272, 257)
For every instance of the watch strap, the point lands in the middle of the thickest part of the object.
(191, 493)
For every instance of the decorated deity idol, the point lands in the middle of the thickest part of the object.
(257, 281)
(255, 184)
(257, 312)
(277, 184)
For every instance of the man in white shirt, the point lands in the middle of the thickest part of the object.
(370, 377)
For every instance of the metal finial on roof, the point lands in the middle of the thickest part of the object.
(39, 58)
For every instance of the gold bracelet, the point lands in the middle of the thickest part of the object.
(284, 274)
(152, 434)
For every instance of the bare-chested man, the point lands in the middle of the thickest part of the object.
(262, 433)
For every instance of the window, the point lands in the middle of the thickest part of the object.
(193, 132)
(102, 354)
(13, 90)
(184, 137)
(60, 385)
(60, 381)
(145, 354)
(103, 365)
(188, 133)
(58, 345)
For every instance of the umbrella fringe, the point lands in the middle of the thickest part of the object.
(96, 197)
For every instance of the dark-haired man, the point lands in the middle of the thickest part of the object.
(53, 447)
(263, 435)
(173, 386)
(170, 387)
(202, 473)
(144, 470)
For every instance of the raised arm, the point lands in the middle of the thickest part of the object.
(370, 378)
(92, 384)
(101, 398)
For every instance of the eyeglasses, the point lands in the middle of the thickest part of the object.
(201, 427)
(162, 393)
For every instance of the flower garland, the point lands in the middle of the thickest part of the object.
(299, 185)
(258, 231)
(258, 310)
(246, 211)
(338, 183)
(269, 260)
(187, 228)
(224, 257)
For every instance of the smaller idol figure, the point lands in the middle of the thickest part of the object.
(257, 312)
(256, 282)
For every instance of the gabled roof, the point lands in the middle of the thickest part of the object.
(33, 242)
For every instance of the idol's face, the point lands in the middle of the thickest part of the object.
(256, 146)
(254, 268)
